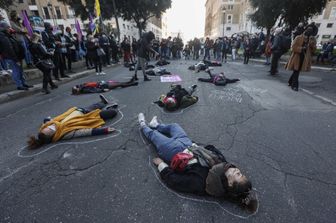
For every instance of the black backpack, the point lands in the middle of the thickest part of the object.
(286, 43)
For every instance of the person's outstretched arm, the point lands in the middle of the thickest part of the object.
(88, 132)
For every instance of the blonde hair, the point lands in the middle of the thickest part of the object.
(36, 37)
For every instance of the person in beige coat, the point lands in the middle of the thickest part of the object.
(303, 48)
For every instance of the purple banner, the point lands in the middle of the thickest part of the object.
(78, 28)
(26, 22)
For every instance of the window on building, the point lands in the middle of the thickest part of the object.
(20, 1)
(318, 25)
(228, 28)
(229, 19)
(35, 13)
(33, 2)
(230, 7)
(46, 13)
(128, 27)
(326, 36)
(330, 25)
(333, 13)
(124, 26)
(231, 1)
(58, 12)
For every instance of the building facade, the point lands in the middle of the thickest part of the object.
(51, 11)
(326, 22)
(227, 17)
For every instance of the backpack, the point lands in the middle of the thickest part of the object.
(286, 43)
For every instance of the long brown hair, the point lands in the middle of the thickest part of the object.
(35, 143)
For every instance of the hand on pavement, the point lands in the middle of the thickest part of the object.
(157, 161)
(110, 129)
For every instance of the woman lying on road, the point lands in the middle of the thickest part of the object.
(76, 122)
(187, 167)
(101, 86)
(217, 79)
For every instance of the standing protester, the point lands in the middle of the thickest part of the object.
(71, 48)
(247, 50)
(143, 54)
(276, 51)
(126, 49)
(21, 36)
(207, 47)
(49, 40)
(268, 51)
(218, 48)
(105, 44)
(114, 49)
(225, 48)
(197, 48)
(42, 60)
(303, 48)
(92, 52)
(134, 48)
(12, 53)
(64, 47)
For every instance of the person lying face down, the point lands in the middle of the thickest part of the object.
(217, 79)
(187, 167)
(177, 98)
(76, 122)
(101, 86)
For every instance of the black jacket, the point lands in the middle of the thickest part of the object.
(10, 48)
(144, 46)
(191, 180)
(39, 52)
(48, 39)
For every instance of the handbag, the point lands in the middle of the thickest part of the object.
(47, 64)
(100, 52)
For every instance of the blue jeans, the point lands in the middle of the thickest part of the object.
(207, 54)
(3, 65)
(17, 73)
(168, 140)
(28, 56)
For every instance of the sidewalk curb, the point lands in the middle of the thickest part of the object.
(16, 94)
(284, 63)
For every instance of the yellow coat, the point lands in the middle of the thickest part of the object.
(294, 61)
(85, 121)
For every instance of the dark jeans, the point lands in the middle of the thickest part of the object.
(104, 114)
(67, 57)
(59, 65)
(46, 76)
(294, 79)
(246, 58)
(275, 62)
(98, 64)
(107, 58)
(224, 55)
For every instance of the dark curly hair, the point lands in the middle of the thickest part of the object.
(35, 143)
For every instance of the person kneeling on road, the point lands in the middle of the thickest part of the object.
(217, 79)
(74, 123)
(187, 167)
(101, 86)
(177, 98)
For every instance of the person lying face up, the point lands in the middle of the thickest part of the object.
(177, 98)
(187, 167)
(76, 122)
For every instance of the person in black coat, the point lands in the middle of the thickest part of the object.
(187, 167)
(143, 50)
(42, 60)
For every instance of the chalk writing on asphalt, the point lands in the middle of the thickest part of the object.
(227, 94)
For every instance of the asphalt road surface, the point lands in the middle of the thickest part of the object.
(283, 140)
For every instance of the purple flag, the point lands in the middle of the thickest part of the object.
(92, 25)
(78, 28)
(26, 22)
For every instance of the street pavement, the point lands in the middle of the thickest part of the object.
(284, 141)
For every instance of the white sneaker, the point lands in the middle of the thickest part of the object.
(97, 73)
(154, 123)
(102, 73)
(141, 118)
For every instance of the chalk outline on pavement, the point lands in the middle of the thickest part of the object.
(189, 198)
(74, 143)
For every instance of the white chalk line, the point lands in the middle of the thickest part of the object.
(189, 198)
(327, 100)
(19, 154)
(15, 171)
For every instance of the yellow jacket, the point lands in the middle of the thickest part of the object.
(85, 121)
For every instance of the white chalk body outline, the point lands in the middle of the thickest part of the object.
(75, 143)
(189, 198)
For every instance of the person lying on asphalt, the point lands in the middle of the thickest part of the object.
(76, 122)
(177, 98)
(101, 86)
(217, 79)
(187, 167)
